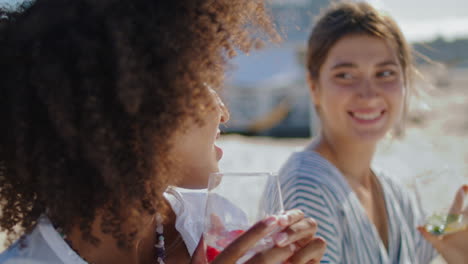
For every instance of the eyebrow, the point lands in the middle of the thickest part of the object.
(344, 65)
(387, 63)
(352, 65)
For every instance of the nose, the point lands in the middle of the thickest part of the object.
(367, 89)
(221, 106)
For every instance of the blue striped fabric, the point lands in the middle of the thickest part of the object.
(309, 182)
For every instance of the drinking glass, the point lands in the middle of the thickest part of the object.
(435, 192)
(235, 202)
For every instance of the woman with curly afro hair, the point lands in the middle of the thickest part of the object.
(103, 105)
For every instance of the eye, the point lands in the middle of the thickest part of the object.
(386, 73)
(344, 76)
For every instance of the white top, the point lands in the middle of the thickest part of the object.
(45, 245)
(311, 183)
(189, 208)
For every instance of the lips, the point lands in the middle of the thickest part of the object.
(219, 151)
(367, 117)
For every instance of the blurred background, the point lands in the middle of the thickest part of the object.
(267, 91)
(271, 113)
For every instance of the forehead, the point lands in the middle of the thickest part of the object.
(360, 49)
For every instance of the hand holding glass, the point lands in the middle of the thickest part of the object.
(442, 194)
(235, 202)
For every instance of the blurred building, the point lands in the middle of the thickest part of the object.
(268, 94)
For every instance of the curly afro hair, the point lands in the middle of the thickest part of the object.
(91, 93)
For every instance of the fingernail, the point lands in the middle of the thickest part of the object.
(462, 190)
(297, 212)
(270, 221)
(281, 238)
(283, 220)
(465, 188)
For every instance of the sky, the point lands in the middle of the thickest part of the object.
(419, 19)
(425, 19)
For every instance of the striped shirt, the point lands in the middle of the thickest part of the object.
(311, 183)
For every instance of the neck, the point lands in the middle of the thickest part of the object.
(353, 159)
(141, 250)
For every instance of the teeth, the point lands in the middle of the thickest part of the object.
(370, 116)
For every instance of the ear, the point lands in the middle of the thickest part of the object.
(314, 90)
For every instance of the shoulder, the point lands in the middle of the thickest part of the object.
(11, 253)
(312, 184)
(307, 165)
(33, 248)
(308, 172)
(309, 183)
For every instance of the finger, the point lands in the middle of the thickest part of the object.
(448, 237)
(246, 241)
(290, 217)
(457, 205)
(434, 240)
(273, 255)
(465, 204)
(300, 233)
(313, 252)
(199, 256)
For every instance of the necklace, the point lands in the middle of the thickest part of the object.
(160, 249)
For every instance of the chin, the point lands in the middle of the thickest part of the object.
(196, 185)
(370, 136)
(204, 177)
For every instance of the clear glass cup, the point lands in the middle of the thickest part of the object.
(436, 191)
(235, 202)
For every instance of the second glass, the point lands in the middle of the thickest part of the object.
(435, 192)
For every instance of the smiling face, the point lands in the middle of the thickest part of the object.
(360, 89)
(195, 147)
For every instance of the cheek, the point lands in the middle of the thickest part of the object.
(335, 97)
(393, 87)
(395, 92)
